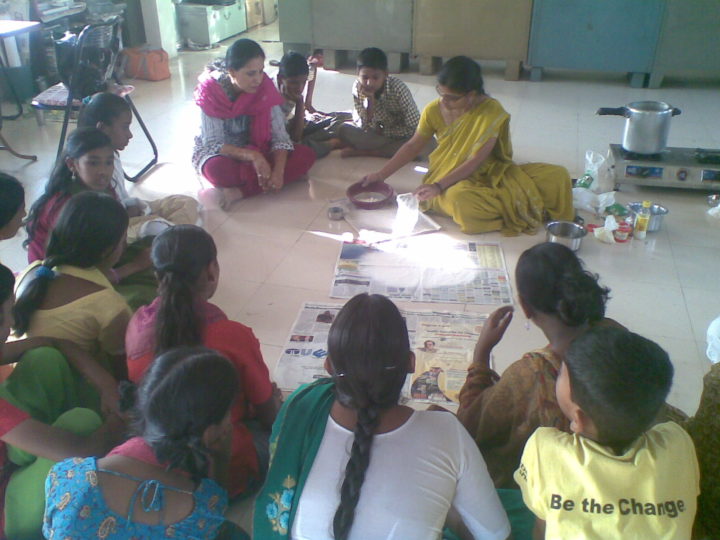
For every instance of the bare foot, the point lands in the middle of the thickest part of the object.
(229, 196)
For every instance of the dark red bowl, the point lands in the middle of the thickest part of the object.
(370, 197)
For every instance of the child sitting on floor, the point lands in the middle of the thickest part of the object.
(12, 206)
(167, 480)
(86, 165)
(67, 295)
(112, 115)
(41, 418)
(615, 476)
(185, 260)
(385, 115)
(318, 130)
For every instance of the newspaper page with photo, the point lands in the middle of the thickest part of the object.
(453, 336)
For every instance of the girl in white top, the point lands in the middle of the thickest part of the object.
(381, 470)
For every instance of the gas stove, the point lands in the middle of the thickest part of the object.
(689, 168)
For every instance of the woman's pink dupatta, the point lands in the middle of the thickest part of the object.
(212, 99)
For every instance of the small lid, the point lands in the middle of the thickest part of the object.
(647, 204)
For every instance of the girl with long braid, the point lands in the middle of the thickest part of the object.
(349, 462)
(185, 261)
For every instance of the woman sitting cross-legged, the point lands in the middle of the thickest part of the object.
(166, 482)
(185, 260)
(472, 177)
(42, 419)
(350, 462)
(243, 147)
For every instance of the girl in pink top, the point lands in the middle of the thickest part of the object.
(185, 261)
(86, 165)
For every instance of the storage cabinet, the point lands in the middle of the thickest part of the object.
(337, 26)
(340, 25)
(612, 35)
(689, 40)
(482, 29)
(295, 25)
(207, 25)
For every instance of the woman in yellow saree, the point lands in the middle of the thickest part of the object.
(471, 176)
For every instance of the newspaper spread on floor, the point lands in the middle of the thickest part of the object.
(443, 343)
(429, 268)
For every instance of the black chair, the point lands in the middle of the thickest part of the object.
(87, 64)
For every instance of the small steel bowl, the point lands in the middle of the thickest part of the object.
(566, 233)
(370, 197)
(657, 212)
(713, 200)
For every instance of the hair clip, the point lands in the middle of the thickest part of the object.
(385, 368)
(45, 272)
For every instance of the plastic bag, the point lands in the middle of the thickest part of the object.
(597, 167)
(407, 214)
(584, 199)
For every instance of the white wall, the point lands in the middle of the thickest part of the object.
(160, 25)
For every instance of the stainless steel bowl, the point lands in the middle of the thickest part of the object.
(566, 233)
(657, 212)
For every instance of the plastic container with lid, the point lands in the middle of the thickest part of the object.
(622, 233)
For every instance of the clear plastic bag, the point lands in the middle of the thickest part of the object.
(407, 215)
(584, 199)
(597, 167)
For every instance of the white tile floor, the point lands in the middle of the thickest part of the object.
(664, 287)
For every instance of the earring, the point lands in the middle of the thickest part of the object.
(73, 177)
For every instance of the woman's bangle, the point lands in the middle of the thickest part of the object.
(438, 184)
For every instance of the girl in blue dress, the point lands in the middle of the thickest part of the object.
(166, 481)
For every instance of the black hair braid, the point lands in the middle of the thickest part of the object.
(178, 323)
(580, 298)
(183, 452)
(367, 422)
(32, 297)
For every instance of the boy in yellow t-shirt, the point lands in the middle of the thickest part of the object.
(615, 476)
